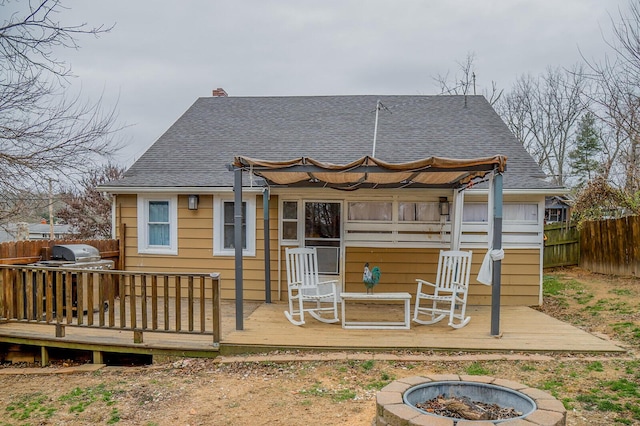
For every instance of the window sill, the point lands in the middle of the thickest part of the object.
(232, 253)
(160, 251)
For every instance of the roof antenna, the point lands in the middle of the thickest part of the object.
(379, 105)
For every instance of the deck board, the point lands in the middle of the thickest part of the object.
(265, 328)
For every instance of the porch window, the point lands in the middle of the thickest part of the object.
(290, 221)
(371, 210)
(396, 221)
(520, 213)
(157, 225)
(224, 223)
(475, 212)
(511, 212)
(418, 212)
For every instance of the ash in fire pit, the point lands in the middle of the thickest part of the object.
(465, 408)
(469, 400)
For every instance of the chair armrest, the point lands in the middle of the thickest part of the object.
(425, 282)
(331, 283)
(458, 285)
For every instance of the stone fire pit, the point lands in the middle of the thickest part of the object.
(395, 403)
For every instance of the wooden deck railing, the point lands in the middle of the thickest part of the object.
(138, 301)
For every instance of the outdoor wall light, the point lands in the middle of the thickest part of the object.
(193, 202)
(443, 204)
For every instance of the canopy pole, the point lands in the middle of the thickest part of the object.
(496, 190)
(456, 220)
(267, 246)
(237, 238)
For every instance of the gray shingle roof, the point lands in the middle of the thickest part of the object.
(197, 148)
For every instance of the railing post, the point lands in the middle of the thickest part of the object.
(190, 301)
(215, 302)
(4, 309)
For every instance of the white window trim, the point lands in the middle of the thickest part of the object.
(143, 228)
(281, 220)
(218, 226)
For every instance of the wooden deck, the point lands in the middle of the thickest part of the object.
(523, 330)
(266, 328)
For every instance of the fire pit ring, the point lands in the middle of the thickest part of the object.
(475, 391)
(395, 403)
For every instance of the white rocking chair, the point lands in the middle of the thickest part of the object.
(449, 297)
(304, 287)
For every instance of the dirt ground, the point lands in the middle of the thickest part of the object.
(340, 389)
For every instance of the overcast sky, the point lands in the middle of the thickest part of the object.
(162, 55)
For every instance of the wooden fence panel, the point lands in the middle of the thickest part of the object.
(611, 246)
(561, 246)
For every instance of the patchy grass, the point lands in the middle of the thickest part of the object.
(35, 406)
(476, 369)
(336, 395)
(611, 306)
(384, 380)
(81, 398)
(620, 396)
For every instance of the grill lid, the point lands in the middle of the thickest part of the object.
(75, 252)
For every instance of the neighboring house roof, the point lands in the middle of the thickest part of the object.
(197, 149)
(42, 230)
(37, 231)
(557, 202)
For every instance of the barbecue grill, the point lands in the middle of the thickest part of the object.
(76, 256)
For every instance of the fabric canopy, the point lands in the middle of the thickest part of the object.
(372, 172)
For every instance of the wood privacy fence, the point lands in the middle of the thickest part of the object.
(25, 252)
(561, 245)
(108, 299)
(611, 246)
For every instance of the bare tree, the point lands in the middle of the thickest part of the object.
(43, 133)
(464, 81)
(617, 94)
(543, 113)
(87, 209)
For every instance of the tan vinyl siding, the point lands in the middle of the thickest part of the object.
(400, 268)
(195, 246)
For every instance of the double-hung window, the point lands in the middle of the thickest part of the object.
(157, 224)
(224, 227)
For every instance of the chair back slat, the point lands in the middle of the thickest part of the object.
(302, 267)
(454, 267)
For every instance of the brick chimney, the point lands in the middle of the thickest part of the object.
(219, 92)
